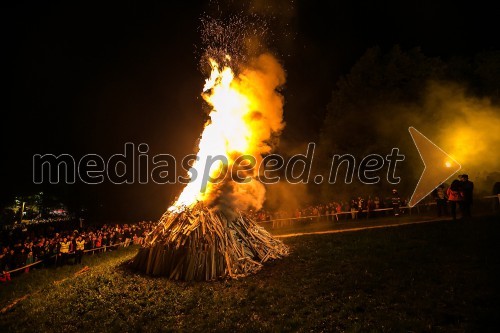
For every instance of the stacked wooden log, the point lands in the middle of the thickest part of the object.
(200, 243)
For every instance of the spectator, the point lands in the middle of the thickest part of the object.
(354, 209)
(5, 276)
(361, 207)
(396, 202)
(127, 235)
(29, 261)
(9, 260)
(467, 188)
(27, 244)
(21, 257)
(79, 246)
(64, 250)
(98, 242)
(3, 258)
(439, 195)
(455, 197)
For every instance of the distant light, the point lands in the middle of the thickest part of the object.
(447, 164)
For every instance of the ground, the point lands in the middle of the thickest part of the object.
(439, 276)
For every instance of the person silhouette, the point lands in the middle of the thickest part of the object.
(396, 202)
(468, 189)
(439, 194)
(455, 196)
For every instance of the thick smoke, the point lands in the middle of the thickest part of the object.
(471, 126)
(286, 197)
(470, 130)
(260, 80)
(385, 93)
(463, 125)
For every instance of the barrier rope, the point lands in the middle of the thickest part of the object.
(362, 211)
(334, 214)
(55, 255)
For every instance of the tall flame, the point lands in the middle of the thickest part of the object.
(246, 112)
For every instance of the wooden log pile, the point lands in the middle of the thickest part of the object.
(203, 244)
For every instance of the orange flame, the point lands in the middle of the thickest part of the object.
(246, 112)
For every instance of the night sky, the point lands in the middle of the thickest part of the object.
(81, 77)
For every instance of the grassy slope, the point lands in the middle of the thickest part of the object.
(439, 276)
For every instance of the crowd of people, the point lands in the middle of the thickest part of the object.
(458, 196)
(355, 208)
(55, 245)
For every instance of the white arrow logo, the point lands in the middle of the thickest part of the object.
(439, 166)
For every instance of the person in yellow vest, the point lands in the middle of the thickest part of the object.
(79, 247)
(64, 250)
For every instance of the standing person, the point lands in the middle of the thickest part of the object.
(5, 276)
(64, 250)
(127, 235)
(361, 207)
(396, 202)
(3, 258)
(29, 261)
(10, 260)
(46, 252)
(455, 196)
(79, 247)
(353, 206)
(468, 189)
(440, 197)
(21, 258)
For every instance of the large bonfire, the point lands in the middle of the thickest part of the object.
(205, 234)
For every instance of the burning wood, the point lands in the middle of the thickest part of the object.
(202, 236)
(200, 243)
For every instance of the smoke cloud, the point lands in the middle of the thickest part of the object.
(471, 126)
(463, 125)
(259, 81)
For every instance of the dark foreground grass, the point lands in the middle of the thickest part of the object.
(430, 277)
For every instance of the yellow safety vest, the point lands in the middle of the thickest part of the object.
(80, 245)
(64, 247)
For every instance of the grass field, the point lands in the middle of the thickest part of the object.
(439, 276)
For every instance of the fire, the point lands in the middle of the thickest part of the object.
(246, 112)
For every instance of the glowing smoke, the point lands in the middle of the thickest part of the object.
(470, 128)
(245, 117)
(259, 80)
